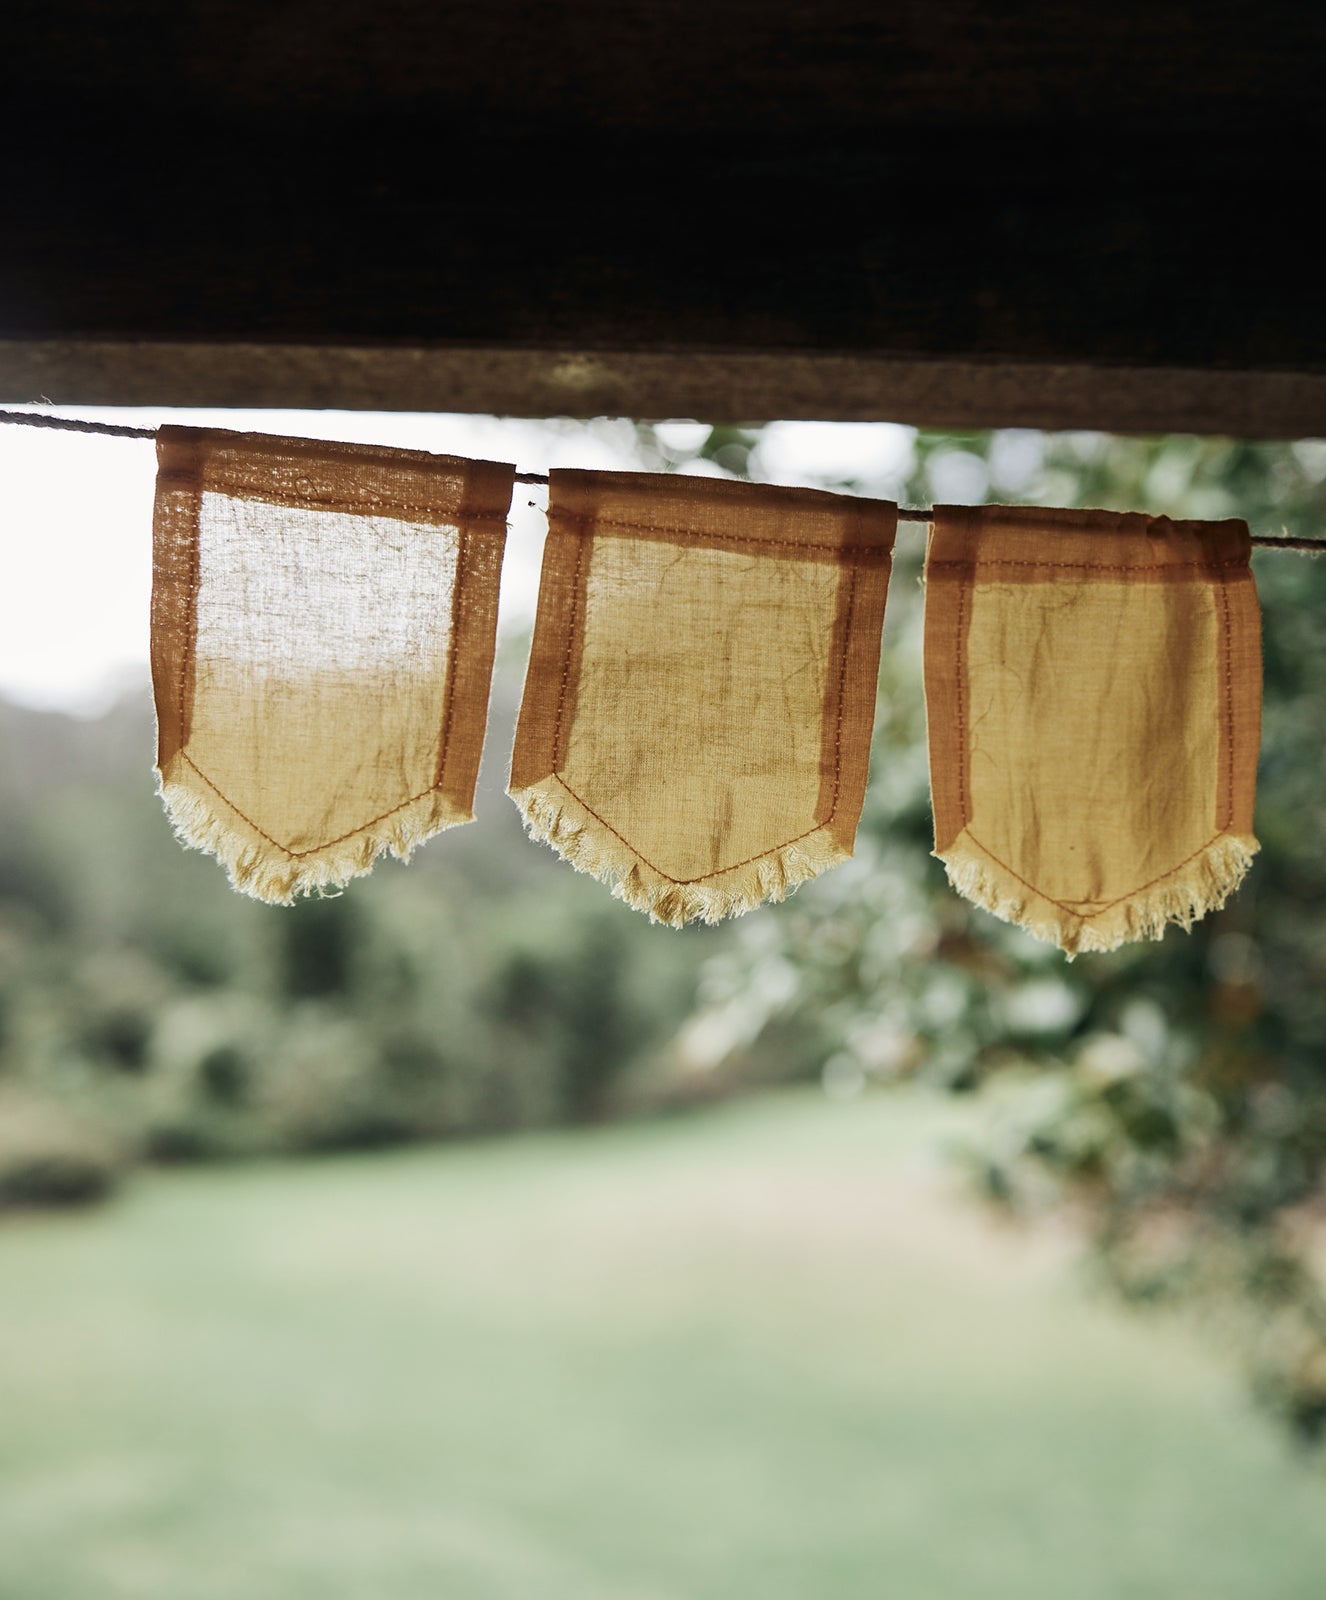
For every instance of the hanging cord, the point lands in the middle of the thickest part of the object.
(115, 430)
(32, 419)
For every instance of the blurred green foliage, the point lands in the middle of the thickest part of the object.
(767, 1351)
(1174, 1094)
(484, 988)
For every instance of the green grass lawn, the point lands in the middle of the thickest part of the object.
(761, 1353)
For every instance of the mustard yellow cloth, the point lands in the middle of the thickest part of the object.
(323, 621)
(1093, 695)
(695, 728)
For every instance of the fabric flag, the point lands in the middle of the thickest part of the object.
(323, 620)
(697, 714)
(1093, 695)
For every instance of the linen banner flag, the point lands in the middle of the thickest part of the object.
(1093, 695)
(323, 620)
(698, 707)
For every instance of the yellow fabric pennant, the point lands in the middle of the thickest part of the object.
(696, 722)
(1093, 696)
(323, 621)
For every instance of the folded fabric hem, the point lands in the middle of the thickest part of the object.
(203, 819)
(553, 815)
(1200, 884)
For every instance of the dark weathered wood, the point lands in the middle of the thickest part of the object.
(724, 386)
(1104, 192)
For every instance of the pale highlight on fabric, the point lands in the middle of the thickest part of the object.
(695, 729)
(323, 624)
(1093, 700)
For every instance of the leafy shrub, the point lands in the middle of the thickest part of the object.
(49, 1157)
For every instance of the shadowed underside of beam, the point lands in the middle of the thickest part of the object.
(962, 214)
(718, 385)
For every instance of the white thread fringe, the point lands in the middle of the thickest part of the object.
(1182, 896)
(555, 817)
(204, 820)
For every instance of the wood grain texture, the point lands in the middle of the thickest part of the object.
(719, 385)
(1047, 186)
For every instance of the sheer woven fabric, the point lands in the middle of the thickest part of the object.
(1093, 695)
(695, 728)
(323, 620)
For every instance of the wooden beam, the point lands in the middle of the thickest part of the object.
(717, 385)
(959, 212)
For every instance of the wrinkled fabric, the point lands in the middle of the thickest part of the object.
(696, 722)
(1093, 696)
(323, 620)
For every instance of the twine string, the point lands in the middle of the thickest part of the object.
(116, 430)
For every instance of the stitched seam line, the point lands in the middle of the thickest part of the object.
(566, 659)
(299, 855)
(848, 622)
(190, 628)
(443, 739)
(444, 734)
(1108, 905)
(667, 877)
(960, 689)
(691, 536)
(351, 508)
(734, 866)
(1093, 566)
(1229, 709)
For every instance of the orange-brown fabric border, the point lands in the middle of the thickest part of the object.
(795, 524)
(805, 530)
(999, 541)
(1238, 618)
(672, 507)
(947, 608)
(1018, 546)
(356, 479)
(473, 632)
(174, 593)
(410, 487)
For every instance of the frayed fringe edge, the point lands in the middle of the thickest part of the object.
(555, 817)
(1184, 896)
(204, 820)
